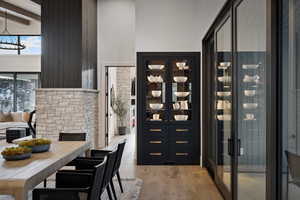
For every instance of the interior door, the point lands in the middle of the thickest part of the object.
(223, 105)
(250, 65)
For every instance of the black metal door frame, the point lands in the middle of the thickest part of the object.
(273, 88)
(106, 98)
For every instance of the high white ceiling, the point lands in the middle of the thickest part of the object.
(27, 4)
(16, 28)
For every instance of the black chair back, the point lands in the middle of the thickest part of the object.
(120, 151)
(72, 137)
(98, 180)
(293, 164)
(32, 124)
(111, 160)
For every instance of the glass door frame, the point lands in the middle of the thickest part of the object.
(228, 194)
(273, 91)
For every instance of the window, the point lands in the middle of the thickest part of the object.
(17, 91)
(10, 39)
(6, 92)
(32, 43)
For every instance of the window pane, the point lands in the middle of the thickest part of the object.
(13, 39)
(6, 92)
(251, 63)
(290, 99)
(32, 43)
(26, 85)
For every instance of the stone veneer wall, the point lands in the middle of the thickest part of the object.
(124, 89)
(67, 110)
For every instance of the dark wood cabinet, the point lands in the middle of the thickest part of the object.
(168, 108)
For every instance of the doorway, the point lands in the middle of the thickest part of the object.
(120, 102)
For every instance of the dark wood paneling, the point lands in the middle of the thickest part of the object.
(89, 43)
(69, 45)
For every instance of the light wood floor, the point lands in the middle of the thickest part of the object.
(167, 182)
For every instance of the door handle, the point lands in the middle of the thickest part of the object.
(239, 147)
(230, 149)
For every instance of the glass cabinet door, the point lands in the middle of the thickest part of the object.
(251, 98)
(156, 78)
(223, 101)
(181, 75)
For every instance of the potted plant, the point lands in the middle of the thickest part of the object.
(119, 108)
(16, 153)
(37, 145)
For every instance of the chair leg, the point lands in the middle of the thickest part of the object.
(109, 192)
(120, 182)
(45, 183)
(113, 189)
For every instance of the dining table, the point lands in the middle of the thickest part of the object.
(17, 178)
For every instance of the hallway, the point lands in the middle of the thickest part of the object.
(167, 182)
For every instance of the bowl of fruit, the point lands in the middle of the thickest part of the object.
(16, 153)
(37, 145)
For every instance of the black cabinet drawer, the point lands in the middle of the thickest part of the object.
(182, 156)
(181, 132)
(183, 144)
(154, 131)
(155, 156)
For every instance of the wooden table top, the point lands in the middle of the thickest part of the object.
(28, 173)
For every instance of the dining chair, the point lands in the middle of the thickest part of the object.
(116, 169)
(32, 124)
(72, 137)
(294, 169)
(69, 137)
(76, 184)
(111, 160)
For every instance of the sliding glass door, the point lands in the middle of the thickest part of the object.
(250, 65)
(223, 102)
(290, 100)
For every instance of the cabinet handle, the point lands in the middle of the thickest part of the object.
(182, 142)
(155, 142)
(155, 130)
(181, 130)
(182, 154)
(155, 154)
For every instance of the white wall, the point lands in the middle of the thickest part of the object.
(167, 25)
(116, 31)
(24, 63)
(20, 63)
(173, 25)
(116, 42)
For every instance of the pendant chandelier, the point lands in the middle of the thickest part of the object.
(6, 43)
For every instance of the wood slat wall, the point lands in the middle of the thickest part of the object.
(69, 45)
